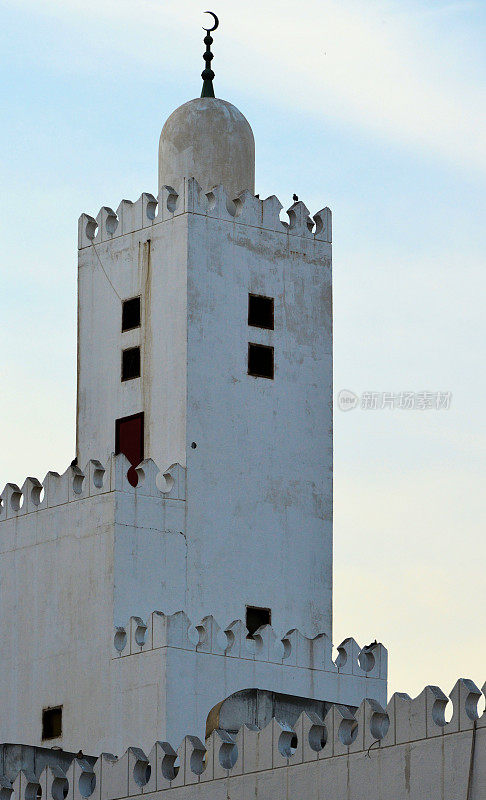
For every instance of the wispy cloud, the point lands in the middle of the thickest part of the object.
(373, 69)
(373, 65)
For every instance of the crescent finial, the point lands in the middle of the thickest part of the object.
(216, 22)
(207, 74)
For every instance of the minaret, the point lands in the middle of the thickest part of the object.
(205, 338)
(142, 589)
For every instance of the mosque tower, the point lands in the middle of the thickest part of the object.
(202, 487)
(205, 338)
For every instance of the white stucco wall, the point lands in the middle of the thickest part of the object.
(150, 263)
(185, 667)
(56, 579)
(68, 560)
(259, 501)
(404, 752)
(260, 480)
(248, 522)
(80, 554)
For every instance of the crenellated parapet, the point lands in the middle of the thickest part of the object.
(370, 738)
(292, 650)
(95, 479)
(246, 209)
(219, 661)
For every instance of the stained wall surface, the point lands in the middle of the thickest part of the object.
(406, 751)
(258, 451)
(83, 555)
(260, 480)
(56, 578)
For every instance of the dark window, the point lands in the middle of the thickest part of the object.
(130, 363)
(255, 618)
(52, 723)
(260, 311)
(260, 360)
(131, 314)
(129, 441)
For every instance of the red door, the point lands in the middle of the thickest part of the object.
(129, 441)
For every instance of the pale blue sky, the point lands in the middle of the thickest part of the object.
(376, 109)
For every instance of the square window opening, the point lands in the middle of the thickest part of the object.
(130, 363)
(52, 722)
(131, 314)
(255, 618)
(260, 361)
(260, 311)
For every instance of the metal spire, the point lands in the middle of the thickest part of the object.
(207, 74)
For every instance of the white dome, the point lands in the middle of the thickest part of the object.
(210, 140)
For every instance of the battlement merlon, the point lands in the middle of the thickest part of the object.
(294, 649)
(246, 209)
(219, 661)
(95, 479)
(230, 761)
